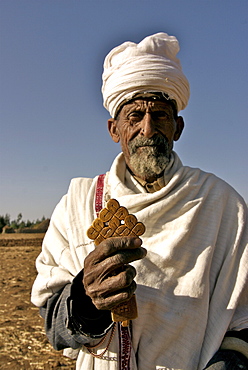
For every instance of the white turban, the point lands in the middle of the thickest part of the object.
(150, 66)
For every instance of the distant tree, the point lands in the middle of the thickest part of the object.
(19, 217)
(18, 223)
(4, 220)
(7, 219)
(2, 223)
(38, 221)
(28, 223)
(14, 224)
(21, 225)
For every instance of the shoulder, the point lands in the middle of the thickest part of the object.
(79, 189)
(79, 183)
(211, 185)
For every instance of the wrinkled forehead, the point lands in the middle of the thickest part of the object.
(146, 105)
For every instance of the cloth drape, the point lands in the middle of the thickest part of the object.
(191, 286)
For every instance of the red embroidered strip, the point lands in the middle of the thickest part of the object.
(99, 193)
(124, 347)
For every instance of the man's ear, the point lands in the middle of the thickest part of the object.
(179, 129)
(113, 130)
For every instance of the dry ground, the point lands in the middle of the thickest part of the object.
(23, 343)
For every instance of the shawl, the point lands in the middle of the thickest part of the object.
(191, 286)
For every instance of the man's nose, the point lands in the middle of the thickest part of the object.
(148, 128)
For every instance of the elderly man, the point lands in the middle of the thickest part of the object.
(188, 270)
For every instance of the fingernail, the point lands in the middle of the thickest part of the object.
(137, 242)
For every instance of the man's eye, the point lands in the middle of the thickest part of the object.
(135, 116)
(160, 115)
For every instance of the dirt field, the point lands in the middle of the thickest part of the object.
(23, 343)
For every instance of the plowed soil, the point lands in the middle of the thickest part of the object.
(23, 343)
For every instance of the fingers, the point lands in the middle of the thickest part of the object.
(110, 256)
(121, 258)
(108, 277)
(108, 302)
(111, 246)
(112, 283)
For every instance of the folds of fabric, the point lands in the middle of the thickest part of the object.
(151, 65)
(191, 286)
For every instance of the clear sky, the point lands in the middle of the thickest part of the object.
(53, 124)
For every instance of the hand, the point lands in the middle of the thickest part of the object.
(108, 277)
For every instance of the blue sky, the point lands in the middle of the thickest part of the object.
(53, 124)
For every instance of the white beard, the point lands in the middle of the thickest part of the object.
(150, 160)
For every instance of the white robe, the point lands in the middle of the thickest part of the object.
(191, 286)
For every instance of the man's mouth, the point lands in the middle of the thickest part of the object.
(147, 146)
(152, 145)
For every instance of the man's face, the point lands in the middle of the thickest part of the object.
(146, 130)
